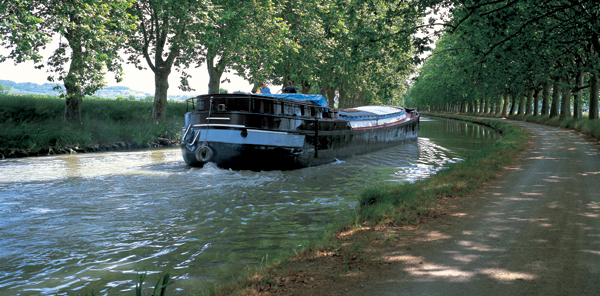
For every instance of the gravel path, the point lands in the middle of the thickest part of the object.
(533, 231)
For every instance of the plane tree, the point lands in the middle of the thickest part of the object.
(379, 51)
(90, 33)
(245, 37)
(166, 37)
(529, 45)
(359, 51)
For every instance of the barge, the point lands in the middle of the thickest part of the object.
(287, 131)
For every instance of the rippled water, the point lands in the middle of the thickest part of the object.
(75, 223)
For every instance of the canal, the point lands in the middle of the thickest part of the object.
(71, 224)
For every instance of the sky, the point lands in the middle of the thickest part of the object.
(140, 80)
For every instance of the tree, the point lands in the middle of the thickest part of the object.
(525, 45)
(166, 36)
(244, 36)
(92, 32)
(358, 51)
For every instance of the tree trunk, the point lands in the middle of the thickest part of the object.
(161, 87)
(305, 86)
(546, 98)
(214, 84)
(484, 106)
(529, 103)
(286, 77)
(556, 89)
(498, 107)
(215, 72)
(594, 85)
(74, 97)
(505, 105)
(255, 87)
(328, 93)
(565, 104)
(161, 68)
(578, 99)
(342, 100)
(487, 107)
(513, 105)
(521, 105)
(536, 101)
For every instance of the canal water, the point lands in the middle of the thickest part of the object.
(73, 224)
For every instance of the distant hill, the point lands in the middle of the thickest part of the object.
(106, 92)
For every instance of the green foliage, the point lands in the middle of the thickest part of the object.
(358, 51)
(93, 34)
(166, 35)
(495, 48)
(35, 122)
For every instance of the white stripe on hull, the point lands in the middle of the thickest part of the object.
(254, 137)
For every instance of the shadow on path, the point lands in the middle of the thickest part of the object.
(533, 231)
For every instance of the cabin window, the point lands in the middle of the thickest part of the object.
(256, 106)
(200, 103)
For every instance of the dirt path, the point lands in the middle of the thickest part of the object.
(534, 231)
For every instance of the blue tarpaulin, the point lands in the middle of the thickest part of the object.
(316, 99)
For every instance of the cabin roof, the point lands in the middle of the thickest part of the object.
(315, 99)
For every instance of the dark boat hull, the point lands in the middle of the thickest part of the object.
(314, 141)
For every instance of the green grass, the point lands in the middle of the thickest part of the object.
(36, 122)
(583, 125)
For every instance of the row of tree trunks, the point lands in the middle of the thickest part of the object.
(555, 100)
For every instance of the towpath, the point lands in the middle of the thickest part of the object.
(533, 231)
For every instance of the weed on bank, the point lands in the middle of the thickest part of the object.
(30, 122)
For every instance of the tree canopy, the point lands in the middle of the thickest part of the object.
(90, 34)
(514, 49)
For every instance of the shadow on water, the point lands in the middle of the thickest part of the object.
(91, 221)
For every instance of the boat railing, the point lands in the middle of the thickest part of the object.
(254, 104)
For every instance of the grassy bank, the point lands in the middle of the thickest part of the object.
(33, 125)
(584, 125)
(344, 248)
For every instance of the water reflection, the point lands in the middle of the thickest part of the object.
(91, 221)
